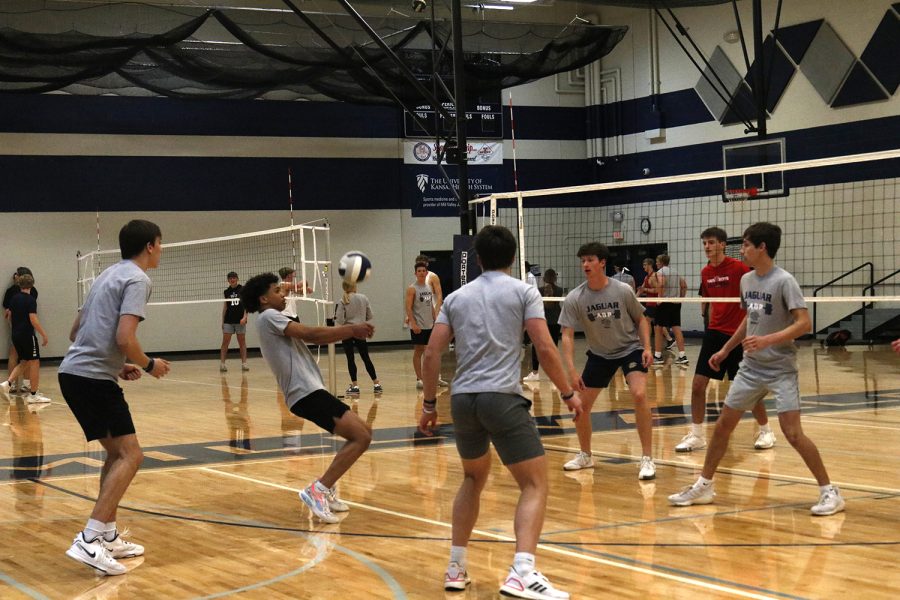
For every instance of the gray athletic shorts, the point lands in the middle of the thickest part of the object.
(503, 419)
(750, 386)
(234, 328)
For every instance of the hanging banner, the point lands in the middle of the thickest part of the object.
(428, 193)
(425, 152)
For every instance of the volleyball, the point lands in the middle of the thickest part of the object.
(354, 267)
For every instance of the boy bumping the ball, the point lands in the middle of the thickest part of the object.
(283, 344)
(104, 337)
(487, 317)
(776, 316)
(618, 336)
(721, 278)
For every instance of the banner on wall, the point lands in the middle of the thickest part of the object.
(428, 193)
(425, 152)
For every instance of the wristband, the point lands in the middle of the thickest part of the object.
(567, 396)
(149, 367)
(429, 406)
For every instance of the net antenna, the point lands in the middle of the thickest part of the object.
(520, 222)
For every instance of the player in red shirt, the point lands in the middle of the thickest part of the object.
(720, 278)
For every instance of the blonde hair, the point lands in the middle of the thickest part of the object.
(349, 288)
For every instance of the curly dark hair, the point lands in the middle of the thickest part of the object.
(255, 287)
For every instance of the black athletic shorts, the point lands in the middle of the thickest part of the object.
(599, 371)
(98, 405)
(27, 346)
(668, 314)
(421, 338)
(713, 341)
(321, 408)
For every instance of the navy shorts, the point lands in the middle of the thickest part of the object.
(421, 338)
(27, 346)
(98, 405)
(599, 371)
(713, 341)
(321, 408)
(668, 314)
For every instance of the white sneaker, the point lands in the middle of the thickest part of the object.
(419, 384)
(693, 494)
(442, 383)
(37, 398)
(456, 578)
(764, 440)
(830, 502)
(648, 468)
(318, 504)
(94, 554)
(245, 367)
(119, 547)
(5, 388)
(582, 460)
(534, 586)
(533, 376)
(335, 503)
(691, 442)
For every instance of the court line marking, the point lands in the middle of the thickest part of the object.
(549, 548)
(734, 471)
(845, 424)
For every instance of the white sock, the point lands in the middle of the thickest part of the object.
(825, 488)
(681, 354)
(703, 481)
(321, 487)
(109, 531)
(93, 529)
(458, 555)
(657, 355)
(697, 429)
(765, 428)
(523, 563)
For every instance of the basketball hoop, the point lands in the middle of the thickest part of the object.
(740, 194)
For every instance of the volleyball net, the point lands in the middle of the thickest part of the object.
(838, 215)
(194, 271)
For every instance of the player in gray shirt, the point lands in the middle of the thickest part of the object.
(104, 336)
(487, 317)
(776, 316)
(618, 336)
(282, 341)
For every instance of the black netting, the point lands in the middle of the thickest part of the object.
(187, 52)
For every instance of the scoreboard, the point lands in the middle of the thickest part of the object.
(484, 119)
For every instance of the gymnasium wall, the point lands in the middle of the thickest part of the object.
(203, 168)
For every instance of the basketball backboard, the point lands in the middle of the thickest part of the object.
(754, 185)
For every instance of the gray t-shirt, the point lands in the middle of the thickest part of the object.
(768, 301)
(625, 278)
(423, 305)
(357, 311)
(608, 317)
(673, 282)
(289, 359)
(122, 289)
(488, 317)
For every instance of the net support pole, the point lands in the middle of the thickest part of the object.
(332, 362)
(520, 218)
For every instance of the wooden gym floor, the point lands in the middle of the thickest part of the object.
(216, 505)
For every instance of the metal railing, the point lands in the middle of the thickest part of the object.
(871, 287)
(838, 278)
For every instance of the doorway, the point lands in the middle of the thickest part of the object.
(633, 257)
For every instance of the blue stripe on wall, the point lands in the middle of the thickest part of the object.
(677, 109)
(78, 183)
(168, 116)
